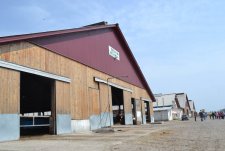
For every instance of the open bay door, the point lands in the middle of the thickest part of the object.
(37, 105)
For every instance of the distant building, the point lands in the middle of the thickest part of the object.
(163, 114)
(166, 107)
(192, 106)
(184, 103)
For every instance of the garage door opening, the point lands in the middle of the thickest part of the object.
(147, 112)
(37, 105)
(118, 106)
(134, 111)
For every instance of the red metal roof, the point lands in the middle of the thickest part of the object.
(14, 38)
(64, 41)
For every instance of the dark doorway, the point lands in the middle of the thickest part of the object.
(147, 112)
(37, 109)
(134, 111)
(117, 106)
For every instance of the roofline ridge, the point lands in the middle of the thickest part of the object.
(15, 38)
(19, 37)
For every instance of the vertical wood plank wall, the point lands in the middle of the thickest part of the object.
(9, 91)
(127, 102)
(105, 100)
(62, 97)
(71, 98)
(94, 102)
(151, 108)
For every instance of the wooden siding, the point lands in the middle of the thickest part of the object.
(71, 98)
(94, 102)
(127, 102)
(151, 108)
(62, 97)
(105, 100)
(9, 92)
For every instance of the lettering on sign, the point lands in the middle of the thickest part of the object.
(114, 53)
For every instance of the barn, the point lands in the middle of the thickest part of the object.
(71, 80)
(167, 102)
(163, 114)
(184, 103)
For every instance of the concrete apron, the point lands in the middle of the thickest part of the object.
(9, 127)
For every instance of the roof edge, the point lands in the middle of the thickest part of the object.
(14, 38)
(96, 26)
(137, 66)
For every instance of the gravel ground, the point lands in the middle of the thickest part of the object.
(169, 136)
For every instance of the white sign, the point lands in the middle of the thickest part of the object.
(114, 53)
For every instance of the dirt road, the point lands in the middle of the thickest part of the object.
(169, 136)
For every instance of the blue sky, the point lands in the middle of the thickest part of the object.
(179, 44)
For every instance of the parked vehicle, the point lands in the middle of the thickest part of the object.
(184, 118)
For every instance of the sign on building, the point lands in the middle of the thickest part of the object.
(114, 53)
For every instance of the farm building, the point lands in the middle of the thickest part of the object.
(166, 107)
(184, 103)
(70, 80)
(192, 107)
(163, 114)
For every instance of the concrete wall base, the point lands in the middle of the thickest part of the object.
(9, 127)
(106, 119)
(144, 119)
(80, 125)
(128, 119)
(63, 122)
(139, 118)
(152, 119)
(102, 120)
(95, 122)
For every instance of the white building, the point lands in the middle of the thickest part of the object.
(166, 107)
(192, 107)
(163, 114)
(183, 103)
